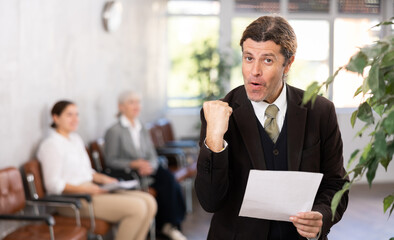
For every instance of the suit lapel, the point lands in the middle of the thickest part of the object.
(247, 124)
(296, 121)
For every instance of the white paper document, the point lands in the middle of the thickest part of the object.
(130, 184)
(277, 195)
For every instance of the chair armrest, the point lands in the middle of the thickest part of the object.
(48, 219)
(173, 153)
(76, 197)
(182, 144)
(57, 201)
(87, 197)
(170, 151)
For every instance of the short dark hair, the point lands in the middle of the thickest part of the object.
(272, 28)
(58, 109)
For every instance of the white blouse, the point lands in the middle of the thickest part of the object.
(64, 161)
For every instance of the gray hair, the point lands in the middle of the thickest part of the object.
(127, 95)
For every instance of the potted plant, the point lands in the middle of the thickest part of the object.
(377, 89)
(212, 71)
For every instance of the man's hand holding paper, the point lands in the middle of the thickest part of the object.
(278, 195)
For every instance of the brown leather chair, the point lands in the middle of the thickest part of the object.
(181, 156)
(34, 181)
(12, 200)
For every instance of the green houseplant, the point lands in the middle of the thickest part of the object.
(212, 71)
(378, 91)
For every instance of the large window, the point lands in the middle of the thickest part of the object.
(328, 32)
(188, 35)
(358, 33)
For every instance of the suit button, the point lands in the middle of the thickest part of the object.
(276, 152)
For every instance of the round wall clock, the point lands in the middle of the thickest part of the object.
(112, 15)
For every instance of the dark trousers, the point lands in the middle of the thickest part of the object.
(170, 202)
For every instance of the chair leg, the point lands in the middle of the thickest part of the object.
(51, 233)
(92, 236)
(188, 188)
(152, 230)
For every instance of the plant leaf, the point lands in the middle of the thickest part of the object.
(360, 133)
(388, 60)
(365, 86)
(352, 158)
(380, 145)
(379, 109)
(387, 201)
(331, 78)
(311, 92)
(357, 63)
(365, 113)
(337, 198)
(358, 91)
(374, 50)
(385, 162)
(385, 23)
(372, 167)
(353, 118)
(388, 123)
(375, 82)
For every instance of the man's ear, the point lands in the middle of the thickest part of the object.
(288, 65)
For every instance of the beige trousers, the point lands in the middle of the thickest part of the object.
(132, 210)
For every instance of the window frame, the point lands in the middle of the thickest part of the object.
(228, 12)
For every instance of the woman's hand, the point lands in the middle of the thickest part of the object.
(94, 189)
(100, 178)
(85, 188)
(143, 167)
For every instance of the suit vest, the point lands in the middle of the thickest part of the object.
(275, 155)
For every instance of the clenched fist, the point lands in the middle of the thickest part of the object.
(217, 114)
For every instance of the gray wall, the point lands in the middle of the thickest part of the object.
(56, 49)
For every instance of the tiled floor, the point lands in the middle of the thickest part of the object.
(363, 220)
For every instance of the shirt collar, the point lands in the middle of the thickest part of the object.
(124, 121)
(280, 102)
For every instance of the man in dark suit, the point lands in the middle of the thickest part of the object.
(239, 133)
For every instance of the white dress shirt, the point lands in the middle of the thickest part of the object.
(64, 161)
(134, 130)
(280, 102)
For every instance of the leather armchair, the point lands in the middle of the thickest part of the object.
(13, 201)
(36, 192)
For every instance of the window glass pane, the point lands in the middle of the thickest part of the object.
(184, 38)
(238, 27)
(267, 6)
(359, 6)
(349, 35)
(311, 60)
(309, 6)
(207, 7)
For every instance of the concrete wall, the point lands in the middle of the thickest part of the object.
(56, 49)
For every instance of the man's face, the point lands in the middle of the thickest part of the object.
(263, 70)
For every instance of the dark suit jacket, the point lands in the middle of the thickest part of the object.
(313, 145)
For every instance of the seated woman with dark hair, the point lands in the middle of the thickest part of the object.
(66, 169)
(128, 145)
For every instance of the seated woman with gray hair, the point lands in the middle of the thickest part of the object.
(129, 145)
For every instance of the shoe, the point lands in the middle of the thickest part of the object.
(172, 232)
